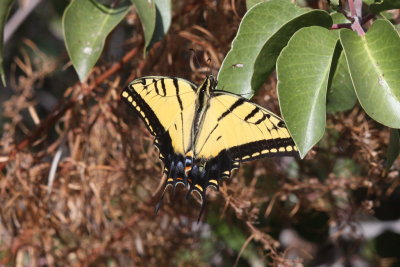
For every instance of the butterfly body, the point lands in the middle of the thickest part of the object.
(202, 133)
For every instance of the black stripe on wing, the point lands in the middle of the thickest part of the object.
(235, 105)
(264, 148)
(167, 153)
(274, 147)
(140, 106)
(136, 102)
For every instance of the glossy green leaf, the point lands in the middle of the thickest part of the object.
(338, 18)
(155, 16)
(5, 6)
(264, 31)
(334, 3)
(394, 147)
(86, 24)
(374, 64)
(148, 14)
(384, 5)
(303, 69)
(341, 95)
(163, 19)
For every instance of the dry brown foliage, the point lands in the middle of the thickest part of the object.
(78, 185)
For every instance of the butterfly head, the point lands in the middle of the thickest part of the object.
(212, 81)
(206, 88)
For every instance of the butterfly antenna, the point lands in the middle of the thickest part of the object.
(158, 206)
(195, 57)
(160, 202)
(210, 66)
(203, 207)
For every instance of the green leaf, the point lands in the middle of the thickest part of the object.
(164, 11)
(264, 31)
(334, 3)
(163, 19)
(338, 18)
(374, 64)
(147, 12)
(155, 16)
(384, 5)
(5, 6)
(368, 2)
(146, 9)
(251, 3)
(86, 25)
(341, 95)
(303, 70)
(394, 147)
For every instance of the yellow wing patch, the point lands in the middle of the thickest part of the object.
(246, 130)
(165, 104)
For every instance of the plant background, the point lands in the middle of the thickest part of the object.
(96, 207)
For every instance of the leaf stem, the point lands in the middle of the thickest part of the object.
(356, 26)
(355, 7)
(341, 26)
(356, 11)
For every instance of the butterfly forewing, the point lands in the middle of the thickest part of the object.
(167, 107)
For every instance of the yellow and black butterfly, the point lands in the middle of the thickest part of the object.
(202, 133)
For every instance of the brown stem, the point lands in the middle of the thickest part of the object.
(341, 26)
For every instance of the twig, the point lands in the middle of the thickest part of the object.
(53, 169)
(245, 244)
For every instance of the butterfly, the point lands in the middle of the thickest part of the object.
(203, 133)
